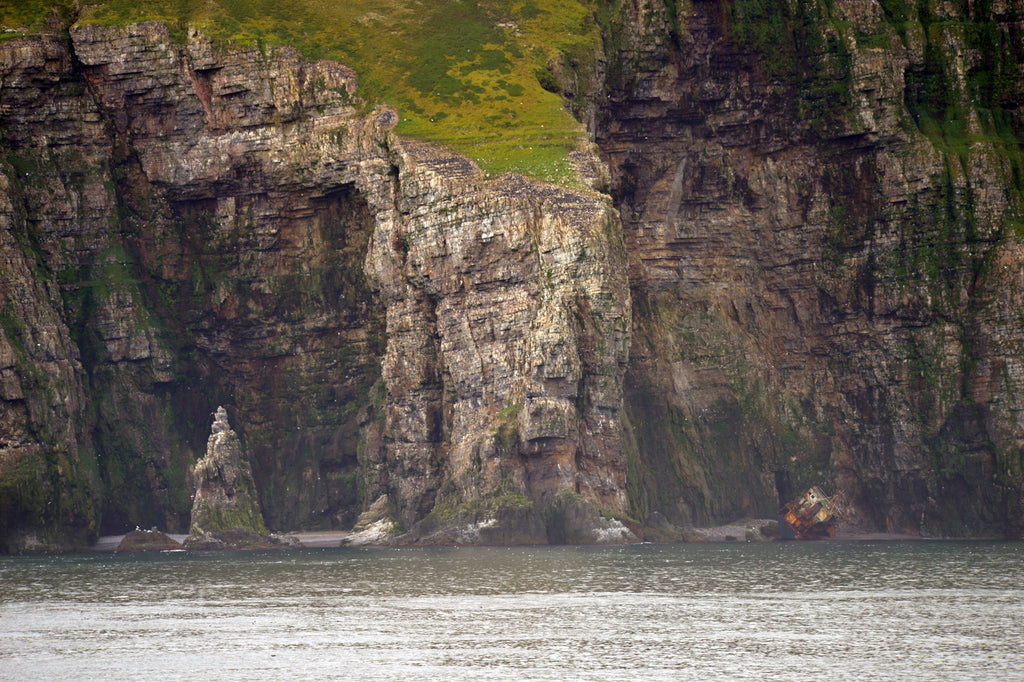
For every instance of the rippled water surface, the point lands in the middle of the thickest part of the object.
(787, 611)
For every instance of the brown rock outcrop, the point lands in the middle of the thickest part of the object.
(146, 541)
(822, 262)
(225, 227)
(507, 337)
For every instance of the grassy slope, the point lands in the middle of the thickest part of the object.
(460, 72)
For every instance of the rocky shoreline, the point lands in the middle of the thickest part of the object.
(750, 530)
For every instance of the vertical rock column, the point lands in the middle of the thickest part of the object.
(225, 512)
(508, 333)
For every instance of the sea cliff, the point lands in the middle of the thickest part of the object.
(790, 256)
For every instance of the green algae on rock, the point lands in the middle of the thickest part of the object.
(225, 503)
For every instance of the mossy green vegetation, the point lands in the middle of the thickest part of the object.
(461, 73)
(506, 428)
(945, 103)
(22, 494)
(219, 519)
(799, 43)
(30, 15)
(452, 509)
(516, 515)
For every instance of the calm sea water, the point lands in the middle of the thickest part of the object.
(787, 611)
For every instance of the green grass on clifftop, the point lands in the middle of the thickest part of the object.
(460, 72)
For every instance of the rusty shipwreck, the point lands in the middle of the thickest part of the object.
(813, 516)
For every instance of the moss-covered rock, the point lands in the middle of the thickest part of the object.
(226, 510)
(508, 518)
(574, 520)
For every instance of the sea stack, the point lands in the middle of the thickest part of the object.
(225, 511)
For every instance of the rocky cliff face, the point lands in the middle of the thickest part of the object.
(821, 204)
(190, 226)
(816, 277)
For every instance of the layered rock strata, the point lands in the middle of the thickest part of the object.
(193, 226)
(808, 272)
(821, 206)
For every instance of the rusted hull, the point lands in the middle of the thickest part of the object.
(812, 517)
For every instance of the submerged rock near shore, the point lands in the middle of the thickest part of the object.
(147, 541)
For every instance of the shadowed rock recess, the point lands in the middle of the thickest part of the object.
(808, 269)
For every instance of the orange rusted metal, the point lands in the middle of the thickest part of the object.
(812, 517)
